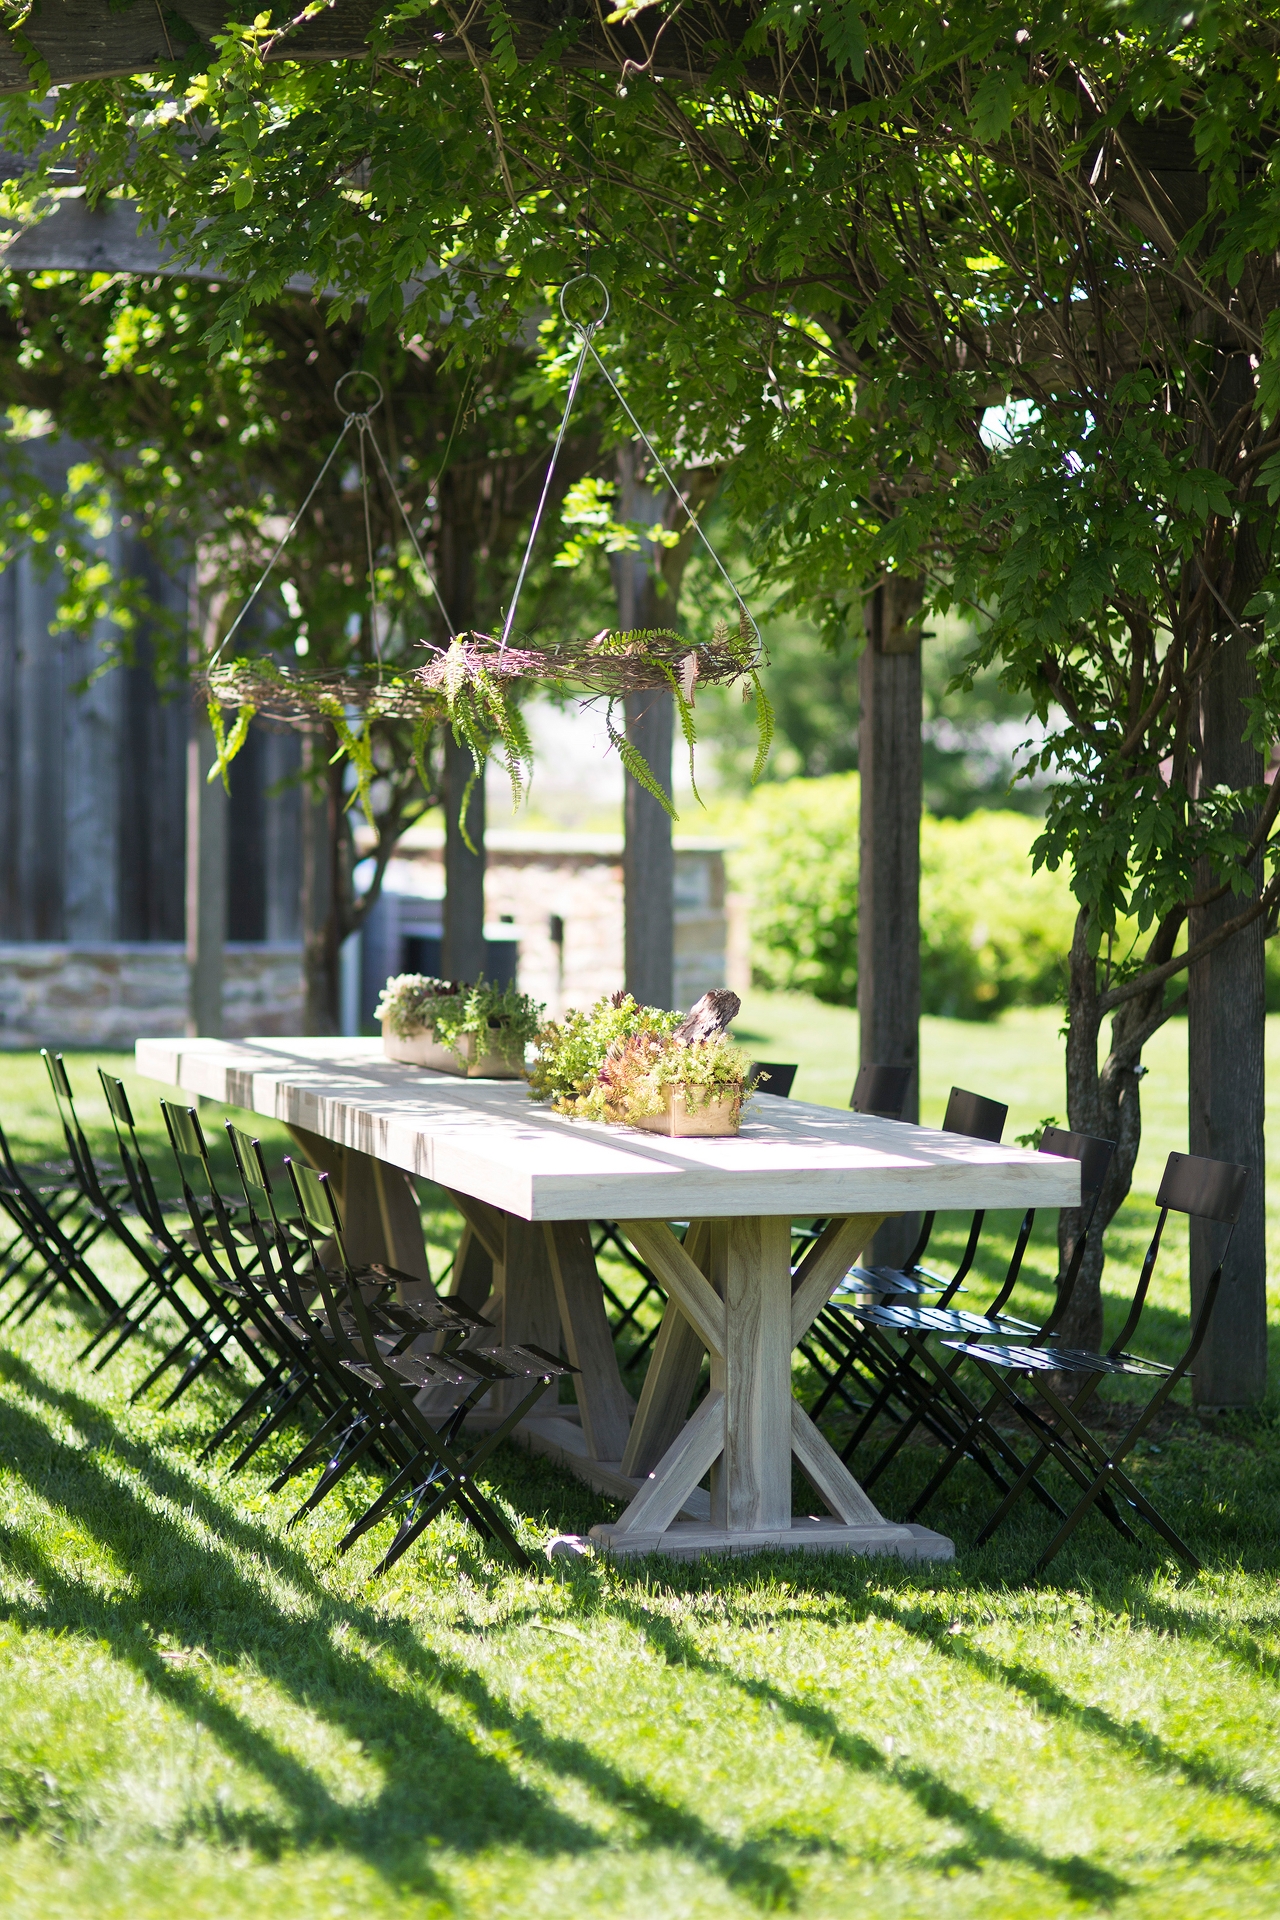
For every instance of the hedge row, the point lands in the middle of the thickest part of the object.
(993, 933)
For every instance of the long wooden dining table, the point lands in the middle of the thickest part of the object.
(528, 1183)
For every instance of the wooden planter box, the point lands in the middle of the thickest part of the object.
(424, 1050)
(713, 1121)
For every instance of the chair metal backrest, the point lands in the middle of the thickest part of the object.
(199, 1187)
(72, 1132)
(132, 1158)
(265, 1225)
(1206, 1190)
(880, 1090)
(973, 1114)
(1094, 1156)
(1210, 1189)
(318, 1206)
(778, 1076)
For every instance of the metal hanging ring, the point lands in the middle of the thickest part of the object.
(357, 413)
(585, 326)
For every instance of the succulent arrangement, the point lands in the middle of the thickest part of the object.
(645, 1066)
(472, 1023)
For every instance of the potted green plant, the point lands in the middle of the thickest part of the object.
(646, 1067)
(480, 1031)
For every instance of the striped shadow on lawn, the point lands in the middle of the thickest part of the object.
(204, 1714)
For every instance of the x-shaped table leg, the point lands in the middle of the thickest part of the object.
(730, 1290)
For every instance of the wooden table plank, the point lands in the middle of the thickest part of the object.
(488, 1140)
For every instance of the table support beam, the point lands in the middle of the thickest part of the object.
(682, 1466)
(672, 1376)
(588, 1339)
(751, 1271)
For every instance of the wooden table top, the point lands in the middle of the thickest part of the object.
(487, 1138)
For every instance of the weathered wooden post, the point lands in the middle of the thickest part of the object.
(889, 764)
(206, 883)
(647, 582)
(648, 859)
(463, 953)
(1226, 1029)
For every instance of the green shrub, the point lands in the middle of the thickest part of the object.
(993, 934)
(797, 862)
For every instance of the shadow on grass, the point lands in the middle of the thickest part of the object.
(438, 1783)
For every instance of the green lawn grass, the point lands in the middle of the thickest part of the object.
(203, 1713)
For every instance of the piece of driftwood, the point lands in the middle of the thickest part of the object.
(710, 1016)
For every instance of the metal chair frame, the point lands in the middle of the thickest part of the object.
(917, 1324)
(242, 1270)
(438, 1476)
(1202, 1189)
(353, 1421)
(979, 1118)
(52, 1237)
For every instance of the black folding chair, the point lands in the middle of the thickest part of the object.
(849, 1350)
(1211, 1190)
(881, 1090)
(771, 1076)
(53, 1232)
(374, 1340)
(928, 1389)
(352, 1425)
(162, 1261)
(241, 1270)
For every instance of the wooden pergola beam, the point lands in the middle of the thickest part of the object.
(90, 40)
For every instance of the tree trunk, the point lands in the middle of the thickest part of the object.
(1226, 1008)
(1105, 1102)
(889, 763)
(322, 931)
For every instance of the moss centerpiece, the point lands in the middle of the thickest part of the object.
(480, 1031)
(646, 1067)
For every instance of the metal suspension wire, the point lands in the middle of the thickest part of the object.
(586, 331)
(546, 485)
(360, 418)
(284, 541)
(690, 515)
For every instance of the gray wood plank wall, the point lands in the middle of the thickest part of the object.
(92, 787)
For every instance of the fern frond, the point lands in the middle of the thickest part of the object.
(764, 727)
(637, 766)
(227, 746)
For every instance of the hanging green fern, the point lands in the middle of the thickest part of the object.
(636, 765)
(764, 726)
(358, 748)
(227, 745)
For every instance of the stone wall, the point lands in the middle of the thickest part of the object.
(561, 895)
(113, 994)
